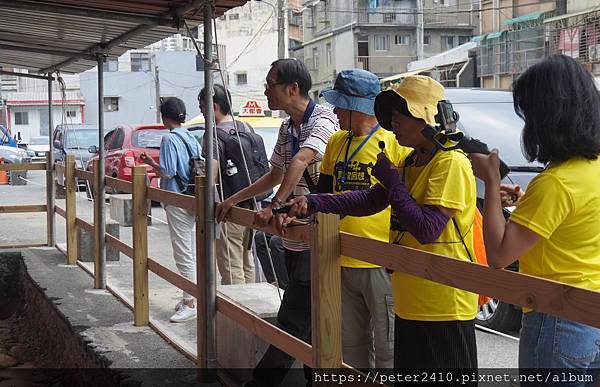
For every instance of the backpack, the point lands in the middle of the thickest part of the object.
(196, 165)
(233, 169)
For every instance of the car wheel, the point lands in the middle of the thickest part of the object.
(499, 315)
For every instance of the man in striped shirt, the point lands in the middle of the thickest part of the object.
(300, 146)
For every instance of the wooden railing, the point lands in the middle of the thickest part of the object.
(23, 208)
(327, 244)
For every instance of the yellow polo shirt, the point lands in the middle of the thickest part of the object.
(446, 181)
(562, 206)
(358, 177)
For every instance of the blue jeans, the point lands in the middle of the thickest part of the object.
(569, 349)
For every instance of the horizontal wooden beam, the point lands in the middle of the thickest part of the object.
(173, 278)
(172, 198)
(119, 184)
(84, 225)
(22, 208)
(86, 175)
(119, 245)
(60, 211)
(539, 294)
(23, 167)
(245, 217)
(271, 334)
(22, 246)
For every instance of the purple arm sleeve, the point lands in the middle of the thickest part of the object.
(425, 223)
(354, 203)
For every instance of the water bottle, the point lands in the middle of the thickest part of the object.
(230, 168)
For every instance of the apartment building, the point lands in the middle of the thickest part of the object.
(381, 36)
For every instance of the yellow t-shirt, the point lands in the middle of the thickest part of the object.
(562, 206)
(446, 181)
(358, 177)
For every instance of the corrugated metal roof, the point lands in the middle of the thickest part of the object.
(58, 35)
(40, 97)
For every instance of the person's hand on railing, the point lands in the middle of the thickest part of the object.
(263, 217)
(222, 210)
(297, 207)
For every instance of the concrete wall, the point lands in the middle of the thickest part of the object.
(137, 90)
(35, 117)
(580, 5)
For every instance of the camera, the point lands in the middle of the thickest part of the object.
(446, 137)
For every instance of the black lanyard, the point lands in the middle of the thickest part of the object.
(347, 159)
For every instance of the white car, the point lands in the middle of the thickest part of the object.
(40, 146)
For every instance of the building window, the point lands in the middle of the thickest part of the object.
(463, 39)
(241, 78)
(426, 39)
(140, 61)
(199, 63)
(71, 113)
(111, 104)
(447, 42)
(110, 65)
(328, 56)
(234, 16)
(315, 63)
(21, 118)
(382, 42)
(402, 40)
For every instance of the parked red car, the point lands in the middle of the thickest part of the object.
(123, 146)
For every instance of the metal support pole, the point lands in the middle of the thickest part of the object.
(99, 208)
(281, 28)
(207, 307)
(50, 194)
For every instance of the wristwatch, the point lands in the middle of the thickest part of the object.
(280, 202)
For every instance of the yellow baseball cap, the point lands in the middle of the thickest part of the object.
(421, 95)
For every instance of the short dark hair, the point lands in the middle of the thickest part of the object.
(221, 97)
(173, 108)
(558, 100)
(291, 70)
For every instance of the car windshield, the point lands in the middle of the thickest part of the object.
(39, 141)
(497, 125)
(148, 138)
(81, 139)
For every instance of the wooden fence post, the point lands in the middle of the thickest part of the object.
(202, 323)
(71, 209)
(141, 309)
(50, 200)
(326, 291)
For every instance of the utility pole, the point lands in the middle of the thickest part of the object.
(157, 91)
(282, 51)
(420, 29)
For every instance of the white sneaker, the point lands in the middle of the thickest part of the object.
(185, 313)
(178, 306)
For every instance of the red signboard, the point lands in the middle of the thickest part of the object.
(251, 108)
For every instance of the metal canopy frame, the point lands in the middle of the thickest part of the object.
(162, 18)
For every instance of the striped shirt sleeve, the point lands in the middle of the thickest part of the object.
(277, 158)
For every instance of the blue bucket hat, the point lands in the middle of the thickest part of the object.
(354, 90)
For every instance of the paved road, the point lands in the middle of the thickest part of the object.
(494, 351)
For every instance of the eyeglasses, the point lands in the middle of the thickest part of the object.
(270, 85)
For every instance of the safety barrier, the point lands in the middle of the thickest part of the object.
(327, 244)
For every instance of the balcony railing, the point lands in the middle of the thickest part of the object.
(384, 65)
(387, 16)
(450, 16)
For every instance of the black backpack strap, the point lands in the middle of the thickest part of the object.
(463, 240)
